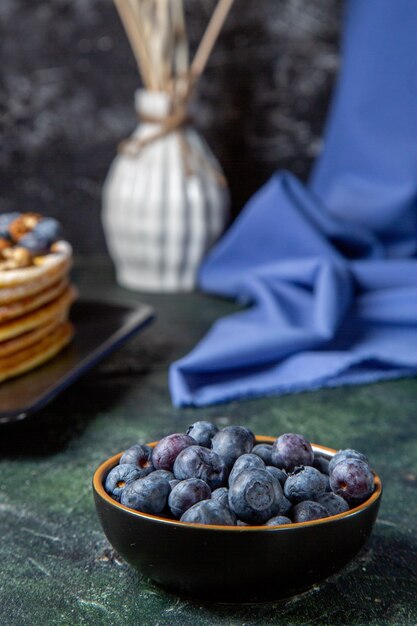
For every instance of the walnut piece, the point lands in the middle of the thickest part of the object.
(15, 257)
(4, 244)
(23, 224)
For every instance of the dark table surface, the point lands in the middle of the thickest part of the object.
(56, 565)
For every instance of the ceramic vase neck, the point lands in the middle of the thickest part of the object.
(153, 104)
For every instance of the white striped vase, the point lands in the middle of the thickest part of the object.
(159, 221)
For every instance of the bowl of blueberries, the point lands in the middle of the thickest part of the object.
(224, 515)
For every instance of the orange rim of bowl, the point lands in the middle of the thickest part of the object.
(104, 468)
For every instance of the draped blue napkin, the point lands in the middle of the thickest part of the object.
(327, 272)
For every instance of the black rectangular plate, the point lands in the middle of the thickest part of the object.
(100, 328)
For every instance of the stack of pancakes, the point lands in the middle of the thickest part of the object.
(34, 308)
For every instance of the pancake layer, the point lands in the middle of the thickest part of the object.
(37, 354)
(32, 336)
(43, 315)
(30, 303)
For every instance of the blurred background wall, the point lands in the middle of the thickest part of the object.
(67, 79)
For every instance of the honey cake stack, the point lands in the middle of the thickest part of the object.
(35, 292)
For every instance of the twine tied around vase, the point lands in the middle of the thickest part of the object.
(175, 121)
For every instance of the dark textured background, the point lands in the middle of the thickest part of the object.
(67, 79)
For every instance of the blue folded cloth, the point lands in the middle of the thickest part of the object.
(327, 273)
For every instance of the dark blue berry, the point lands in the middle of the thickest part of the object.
(326, 481)
(278, 473)
(231, 442)
(244, 462)
(36, 244)
(307, 511)
(305, 483)
(119, 477)
(48, 229)
(321, 464)
(353, 480)
(285, 506)
(221, 495)
(167, 449)
(5, 220)
(200, 462)
(332, 503)
(202, 432)
(291, 450)
(278, 520)
(164, 474)
(209, 512)
(342, 455)
(255, 496)
(141, 457)
(187, 493)
(147, 495)
(264, 450)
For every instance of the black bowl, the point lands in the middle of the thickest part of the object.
(234, 563)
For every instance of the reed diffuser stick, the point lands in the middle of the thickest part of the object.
(133, 31)
(180, 56)
(209, 38)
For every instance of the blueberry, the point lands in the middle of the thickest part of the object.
(291, 450)
(147, 495)
(119, 477)
(232, 442)
(305, 483)
(278, 473)
(173, 482)
(240, 523)
(140, 456)
(5, 220)
(332, 503)
(307, 511)
(200, 462)
(264, 450)
(278, 520)
(353, 480)
(36, 244)
(326, 481)
(321, 464)
(255, 496)
(203, 433)
(245, 461)
(167, 449)
(165, 474)
(209, 512)
(346, 454)
(48, 229)
(187, 493)
(285, 505)
(221, 495)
